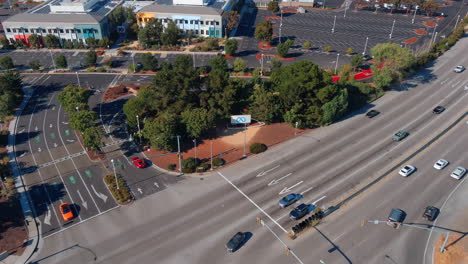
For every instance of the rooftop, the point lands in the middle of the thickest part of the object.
(211, 7)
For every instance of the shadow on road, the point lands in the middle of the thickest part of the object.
(335, 247)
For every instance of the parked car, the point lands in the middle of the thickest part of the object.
(458, 173)
(235, 242)
(139, 163)
(396, 217)
(400, 135)
(289, 199)
(372, 113)
(440, 164)
(438, 109)
(459, 68)
(431, 213)
(367, 57)
(300, 211)
(407, 170)
(66, 211)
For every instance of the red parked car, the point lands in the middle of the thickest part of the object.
(139, 163)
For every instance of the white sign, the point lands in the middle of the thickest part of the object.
(240, 119)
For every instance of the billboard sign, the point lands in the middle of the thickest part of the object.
(240, 119)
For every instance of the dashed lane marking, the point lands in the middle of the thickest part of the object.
(61, 159)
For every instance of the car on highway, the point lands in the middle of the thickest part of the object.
(459, 68)
(438, 109)
(407, 170)
(372, 113)
(139, 163)
(400, 135)
(300, 211)
(289, 199)
(66, 211)
(431, 213)
(235, 242)
(458, 173)
(440, 164)
(396, 217)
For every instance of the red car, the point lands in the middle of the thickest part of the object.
(139, 162)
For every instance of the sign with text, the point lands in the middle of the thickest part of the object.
(240, 119)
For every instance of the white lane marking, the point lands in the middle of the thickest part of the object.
(156, 184)
(273, 182)
(47, 217)
(65, 123)
(307, 190)
(55, 145)
(35, 128)
(453, 85)
(70, 140)
(263, 173)
(140, 191)
(98, 194)
(336, 238)
(23, 154)
(85, 204)
(288, 189)
(53, 108)
(50, 125)
(21, 131)
(318, 200)
(250, 200)
(39, 150)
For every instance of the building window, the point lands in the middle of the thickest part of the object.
(67, 31)
(196, 22)
(165, 20)
(201, 22)
(61, 30)
(8, 30)
(26, 30)
(191, 22)
(12, 40)
(14, 30)
(202, 31)
(78, 31)
(63, 40)
(217, 23)
(186, 21)
(72, 31)
(140, 19)
(217, 32)
(196, 31)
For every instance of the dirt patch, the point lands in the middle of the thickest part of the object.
(410, 40)
(420, 32)
(456, 250)
(228, 57)
(264, 45)
(291, 10)
(429, 24)
(114, 92)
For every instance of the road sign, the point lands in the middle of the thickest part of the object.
(240, 119)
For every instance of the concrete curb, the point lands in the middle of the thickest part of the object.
(25, 200)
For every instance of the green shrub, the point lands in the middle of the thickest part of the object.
(101, 69)
(218, 162)
(171, 167)
(256, 148)
(123, 194)
(190, 165)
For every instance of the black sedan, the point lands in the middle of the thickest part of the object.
(431, 213)
(372, 113)
(439, 109)
(300, 211)
(235, 242)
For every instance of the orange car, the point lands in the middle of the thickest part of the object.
(66, 211)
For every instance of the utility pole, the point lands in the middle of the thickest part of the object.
(393, 26)
(334, 23)
(115, 174)
(365, 47)
(295, 129)
(178, 151)
(336, 65)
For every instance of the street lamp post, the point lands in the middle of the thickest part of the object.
(393, 26)
(261, 70)
(211, 155)
(52, 58)
(414, 16)
(346, 8)
(456, 24)
(245, 140)
(115, 174)
(334, 23)
(336, 65)
(281, 24)
(323, 6)
(365, 47)
(133, 60)
(77, 77)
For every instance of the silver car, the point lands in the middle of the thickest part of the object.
(440, 164)
(458, 173)
(459, 68)
(407, 170)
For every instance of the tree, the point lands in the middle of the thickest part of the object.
(336, 108)
(104, 43)
(356, 61)
(283, 48)
(6, 63)
(264, 31)
(265, 105)
(328, 49)
(349, 51)
(276, 64)
(136, 106)
(73, 96)
(239, 65)
(212, 43)
(90, 58)
(61, 61)
(51, 41)
(171, 35)
(230, 46)
(151, 34)
(383, 78)
(92, 138)
(11, 92)
(91, 42)
(34, 41)
(345, 72)
(197, 121)
(5, 43)
(68, 44)
(307, 45)
(34, 65)
(273, 6)
(150, 62)
(393, 57)
(162, 130)
(82, 120)
(430, 7)
(232, 21)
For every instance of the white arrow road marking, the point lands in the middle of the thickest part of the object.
(288, 189)
(22, 155)
(318, 200)
(47, 217)
(70, 140)
(53, 108)
(98, 194)
(35, 128)
(156, 184)
(65, 123)
(140, 191)
(55, 145)
(453, 85)
(85, 204)
(39, 150)
(21, 131)
(263, 173)
(273, 182)
(51, 125)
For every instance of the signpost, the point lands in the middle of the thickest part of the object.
(242, 119)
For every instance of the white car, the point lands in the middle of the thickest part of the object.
(407, 170)
(440, 164)
(459, 68)
(458, 173)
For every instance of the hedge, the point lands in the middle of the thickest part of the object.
(190, 165)
(256, 148)
(218, 162)
(123, 194)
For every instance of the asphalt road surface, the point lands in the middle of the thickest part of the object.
(191, 221)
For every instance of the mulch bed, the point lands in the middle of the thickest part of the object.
(13, 232)
(420, 32)
(272, 17)
(228, 57)
(264, 45)
(429, 24)
(410, 40)
(439, 18)
(114, 92)
(291, 10)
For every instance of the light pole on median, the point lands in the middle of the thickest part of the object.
(365, 47)
(281, 24)
(52, 58)
(115, 174)
(261, 69)
(336, 65)
(346, 8)
(456, 24)
(393, 26)
(138, 124)
(77, 77)
(133, 60)
(334, 23)
(414, 16)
